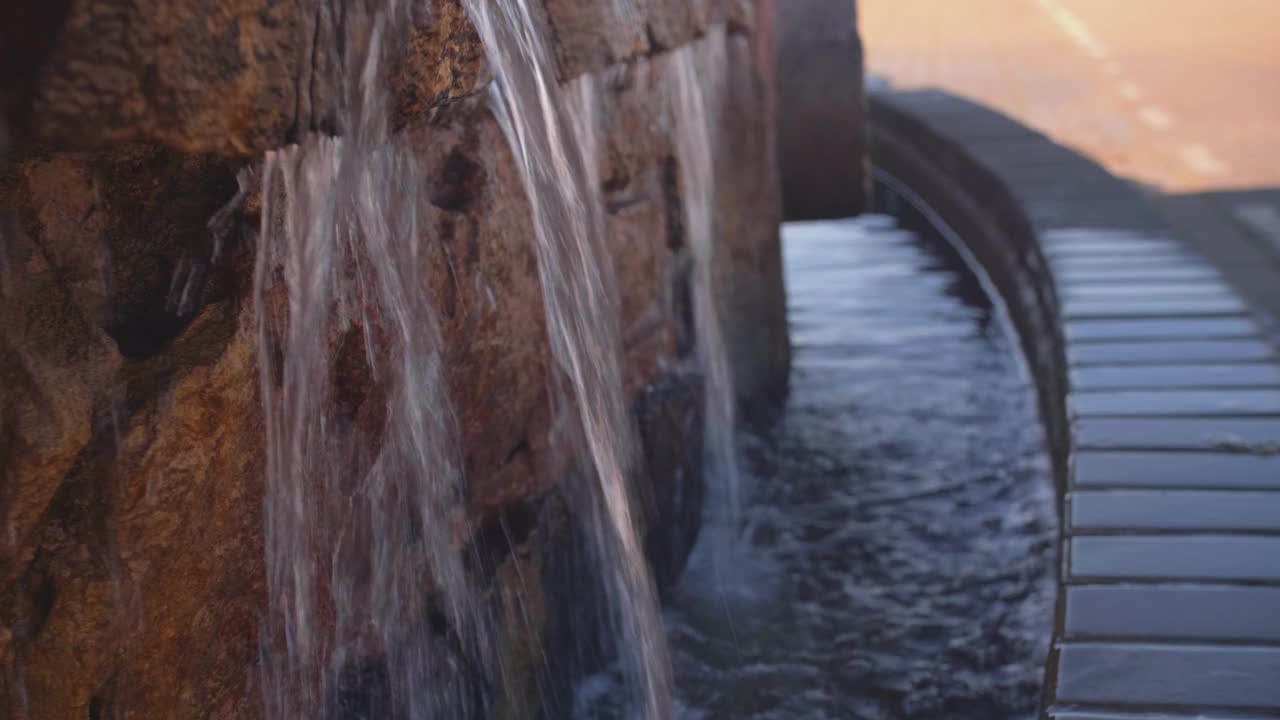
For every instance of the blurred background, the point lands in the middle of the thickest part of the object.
(1182, 96)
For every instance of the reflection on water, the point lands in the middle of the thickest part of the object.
(900, 533)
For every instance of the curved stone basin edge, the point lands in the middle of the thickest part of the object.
(1159, 403)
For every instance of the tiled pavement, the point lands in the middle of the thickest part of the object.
(1170, 605)
(1239, 232)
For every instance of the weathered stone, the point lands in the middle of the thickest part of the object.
(153, 547)
(131, 433)
(823, 147)
(670, 417)
(208, 76)
(240, 78)
(592, 35)
(57, 370)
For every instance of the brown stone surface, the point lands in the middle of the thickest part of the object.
(150, 547)
(237, 78)
(210, 76)
(131, 438)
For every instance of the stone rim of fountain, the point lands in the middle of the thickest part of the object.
(1048, 226)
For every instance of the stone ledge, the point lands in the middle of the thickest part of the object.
(1159, 395)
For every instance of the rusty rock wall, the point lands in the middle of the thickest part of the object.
(245, 76)
(131, 439)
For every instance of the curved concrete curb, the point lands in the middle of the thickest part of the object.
(1161, 400)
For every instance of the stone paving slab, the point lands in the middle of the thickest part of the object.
(1242, 558)
(1085, 331)
(1129, 307)
(1057, 714)
(1069, 245)
(1170, 352)
(1171, 258)
(1173, 288)
(1205, 375)
(1168, 675)
(1247, 435)
(1250, 435)
(1157, 403)
(1126, 469)
(1221, 613)
(1225, 228)
(1174, 510)
(1134, 274)
(1171, 602)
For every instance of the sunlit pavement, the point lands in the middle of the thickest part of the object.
(1180, 95)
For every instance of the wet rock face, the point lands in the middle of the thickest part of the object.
(132, 575)
(242, 77)
(210, 76)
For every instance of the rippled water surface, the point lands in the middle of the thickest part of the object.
(898, 556)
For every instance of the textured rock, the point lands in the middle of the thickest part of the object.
(210, 76)
(237, 78)
(132, 578)
(822, 136)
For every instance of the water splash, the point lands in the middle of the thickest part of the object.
(548, 142)
(370, 610)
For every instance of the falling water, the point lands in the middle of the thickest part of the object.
(370, 612)
(547, 141)
(697, 82)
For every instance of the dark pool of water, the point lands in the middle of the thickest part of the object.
(897, 560)
(900, 543)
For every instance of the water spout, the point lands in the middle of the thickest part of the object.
(546, 140)
(369, 604)
(697, 83)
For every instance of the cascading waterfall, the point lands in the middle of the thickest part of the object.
(549, 150)
(697, 82)
(370, 612)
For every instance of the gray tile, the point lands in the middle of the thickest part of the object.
(1136, 275)
(1202, 510)
(1176, 469)
(1117, 247)
(1067, 714)
(1159, 328)
(1149, 291)
(1176, 402)
(1184, 612)
(1254, 435)
(1171, 352)
(1092, 233)
(1239, 677)
(1130, 307)
(1134, 261)
(1175, 557)
(1102, 377)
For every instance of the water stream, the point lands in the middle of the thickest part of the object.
(550, 134)
(891, 539)
(697, 83)
(363, 483)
